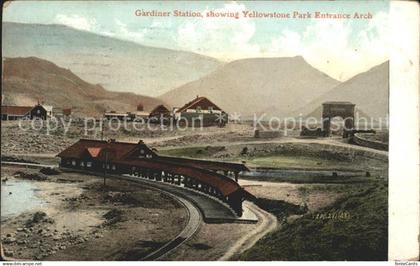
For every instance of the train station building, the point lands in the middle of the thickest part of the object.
(217, 179)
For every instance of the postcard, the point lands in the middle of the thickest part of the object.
(207, 131)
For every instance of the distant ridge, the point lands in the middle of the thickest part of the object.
(368, 90)
(274, 86)
(29, 80)
(116, 64)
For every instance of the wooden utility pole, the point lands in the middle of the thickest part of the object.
(106, 164)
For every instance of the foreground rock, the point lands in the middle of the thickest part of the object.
(39, 217)
(31, 176)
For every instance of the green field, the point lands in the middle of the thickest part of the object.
(272, 160)
(290, 161)
(299, 162)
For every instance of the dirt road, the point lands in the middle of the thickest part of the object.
(267, 224)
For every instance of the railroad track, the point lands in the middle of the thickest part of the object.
(194, 217)
(192, 226)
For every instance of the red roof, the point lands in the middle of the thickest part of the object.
(117, 149)
(223, 183)
(159, 109)
(16, 110)
(94, 152)
(67, 111)
(203, 102)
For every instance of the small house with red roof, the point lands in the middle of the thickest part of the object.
(15, 112)
(160, 114)
(38, 111)
(201, 108)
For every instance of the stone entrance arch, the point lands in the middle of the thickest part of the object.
(344, 110)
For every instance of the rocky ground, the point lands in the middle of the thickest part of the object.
(21, 137)
(296, 194)
(82, 220)
(378, 136)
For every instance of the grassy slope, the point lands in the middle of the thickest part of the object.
(362, 236)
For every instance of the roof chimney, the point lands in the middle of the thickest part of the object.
(140, 142)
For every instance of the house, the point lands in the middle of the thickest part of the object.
(128, 116)
(26, 112)
(62, 112)
(15, 112)
(140, 107)
(114, 115)
(160, 114)
(102, 155)
(49, 110)
(41, 112)
(141, 115)
(201, 108)
(67, 111)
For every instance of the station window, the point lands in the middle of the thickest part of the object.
(89, 164)
(73, 162)
(113, 167)
(82, 163)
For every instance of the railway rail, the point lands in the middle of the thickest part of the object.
(193, 213)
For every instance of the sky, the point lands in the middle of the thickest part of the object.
(341, 48)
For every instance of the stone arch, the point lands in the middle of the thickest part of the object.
(345, 110)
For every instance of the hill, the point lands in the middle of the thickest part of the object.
(115, 64)
(362, 236)
(29, 80)
(257, 85)
(368, 90)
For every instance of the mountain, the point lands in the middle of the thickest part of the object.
(115, 64)
(29, 80)
(368, 90)
(274, 86)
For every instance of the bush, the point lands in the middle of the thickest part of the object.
(31, 176)
(113, 216)
(49, 171)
